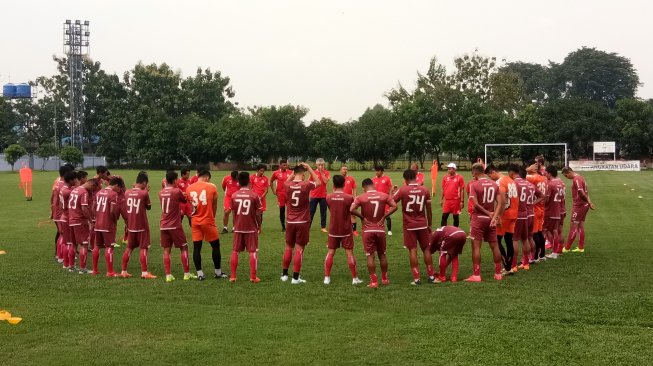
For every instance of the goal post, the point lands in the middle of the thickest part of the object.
(553, 144)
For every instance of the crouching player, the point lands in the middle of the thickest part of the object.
(107, 213)
(373, 216)
(172, 231)
(449, 240)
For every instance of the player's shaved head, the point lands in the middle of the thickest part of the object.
(367, 182)
(299, 169)
(552, 170)
(478, 168)
(204, 173)
(171, 176)
(117, 181)
(338, 181)
(92, 183)
(243, 179)
(142, 178)
(566, 170)
(409, 175)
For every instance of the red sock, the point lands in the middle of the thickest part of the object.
(514, 261)
(83, 252)
(443, 265)
(524, 260)
(328, 264)
(297, 261)
(143, 258)
(60, 247)
(373, 278)
(233, 263)
(125, 259)
(287, 257)
(384, 276)
(184, 260)
(96, 258)
(108, 257)
(476, 269)
(454, 267)
(581, 239)
(253, 264)
(351, 260)
(430, 271)
(66, 257)
(415, 271)
(166, 262)
(497, 268)
(71, 255)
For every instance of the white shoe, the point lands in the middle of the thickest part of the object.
(297, 281)
(356, 281)
(327, 280)
(552, 256)
(284, 278)
(389, 233)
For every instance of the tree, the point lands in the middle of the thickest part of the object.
(8, 133)
(240, 137)
(45, 152)
(374, 136)
(328, 139)
(13, 153)
(285, 125)
(636, 120)
(195, 139)
(207, 94)
(72, 155)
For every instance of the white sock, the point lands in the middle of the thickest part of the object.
(143, 273)
(200, 273)
(218, 271)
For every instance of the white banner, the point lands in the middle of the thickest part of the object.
(605, 147)
(617, 165)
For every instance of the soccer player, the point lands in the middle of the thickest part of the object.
(521, 225)
(581, 205)
(260, 184)
(540, 182)
(70, 182)
(452, 198)
(107, 212)
(80, 217)
(534, 197)
(183, 183)
(279, 177)
(373, 214)
(434, 177)
(383, 184)
(419, 176)
(298, 223)
(552, 208)
(56, 209)
(137, 203)
(340, 230)
(229, 186)
(485, 216)
(417, 219)
(204, 198)
(449, 241)
(102, 175)
(248, 209)
(507, 198)
(172, 232)
(319, 194)
(350, 189)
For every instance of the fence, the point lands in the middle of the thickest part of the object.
(52, 163)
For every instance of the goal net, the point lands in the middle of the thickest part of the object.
(522, 154)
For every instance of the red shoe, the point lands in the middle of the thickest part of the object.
(95, 273)
(232, 279)
(125, 275)
(454, 279)
(112, 274)
(473, 278)
(498, 277)
(355, 232)
(373, 285)
(148, 276)
(385, 282)
(255, 280)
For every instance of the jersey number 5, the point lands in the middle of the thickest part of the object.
(294, 198)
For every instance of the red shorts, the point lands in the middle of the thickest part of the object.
(281, 199)
(176, 237)
(138, 239)
(105, 239)
(227, 203)
(451, 206)
(335, 242)
(538, 223)
(481, 230)
(80, 234)
(186, 209)
(507, 226)
(521, 229)
(374, 242)
(578, 214)
(207, 232)
(531, 221)
(453, 244)
(297, 234)
(551, 224)
(412, 237)
(245, 241)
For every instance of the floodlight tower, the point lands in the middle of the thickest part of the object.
(76, 46)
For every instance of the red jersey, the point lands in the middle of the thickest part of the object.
(246, 206)
(298, 193)
(563, 204)
(78, 198)
(578, 184)
(281, 177)
(470, 204)
(183, 184)
(540, 183)
(106, 211)
(259, 184)
(413, 199)
(485, 190)
(438, 236)
(64, 196)
(382, 184)
(57, 208)
(350, 184)
(229, 186)
(194, 179)
(419, 178)
(507, 186)
(555, 193)
(321, 191)
(171, 199)
(136, 203)
(533, 194)
(523, 192)
(340, 218)
(372, 204)
(452, 186)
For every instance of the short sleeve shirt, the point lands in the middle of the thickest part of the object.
(136, 203)
(298, 200)
(372, 204)
(578, 184)
(259, 184)
(246, 206)
(321, 191)
(485, 190)
(171, 198)
(413, 206)
(340, 218)
(105, 202)
(452, 186)
(78, 198)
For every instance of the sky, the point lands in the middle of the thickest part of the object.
(335, 57)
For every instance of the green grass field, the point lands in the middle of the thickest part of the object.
(594, 308)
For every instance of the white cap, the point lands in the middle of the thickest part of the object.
(451, 165)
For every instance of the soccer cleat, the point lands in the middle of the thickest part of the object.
(232, 279)
(525, 267)
(565, 250)
(224, 231)
(416, 282)
(124, 274)
(220, 276)
(385, 282)
(73, 269)
(389, 233)
(59, 260)
(356, 233)
(547, 245)
(454, 279)
(148, 276)
(514, 270)
(356, 281)
(431, 280)
(83, 271)
(189, 276)
(498, 277)
(373, 285)
(297, 281)
(473, 278)
(170, 278)
(124, 242)
(112, 274)
(284, 278)
(117, 245)
(552, 256)
(255, 280)
(578, 250)
(541, 259)
(324, 230)
(95, 273)
(327, 280)
(201, 278)
(504, 272)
